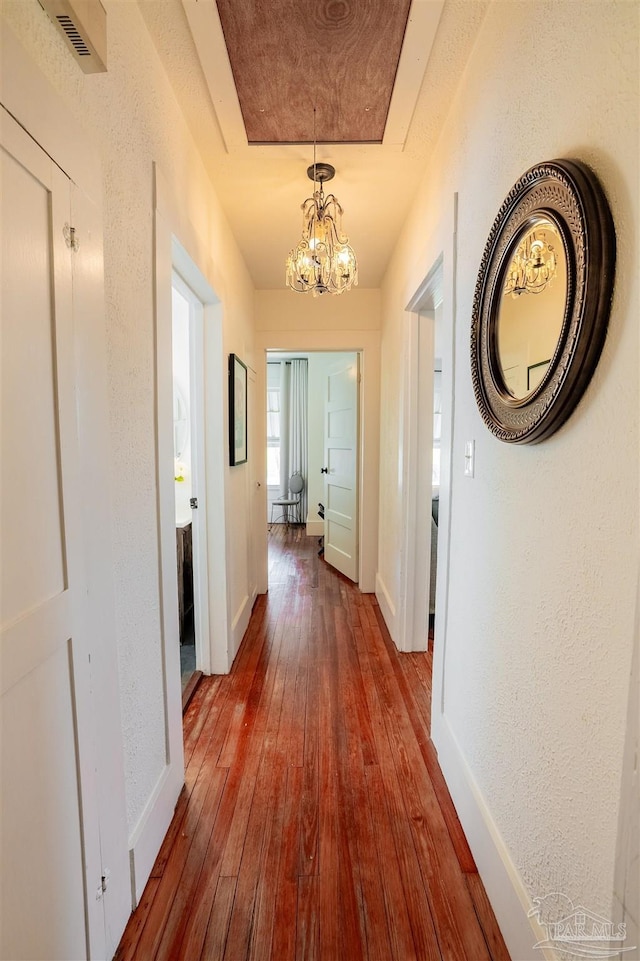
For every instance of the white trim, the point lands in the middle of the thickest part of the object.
(208, 37)
(502, 881)
(190, 258)
(148, 834)
(447, 447)
(387, 607)
(153, 823)
(216, 442)
(315, 528)
(437, 286)
(29, 98)
(240, 624)
(419, 36)
(93, 424)
(417, 442)
(197, 417)
(170, 254)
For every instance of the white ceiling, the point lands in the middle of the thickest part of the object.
(261, 188)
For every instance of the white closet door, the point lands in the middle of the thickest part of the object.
(341, 468)
(49, 824)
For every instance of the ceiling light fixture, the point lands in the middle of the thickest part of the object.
(323, 262)
(533, 266)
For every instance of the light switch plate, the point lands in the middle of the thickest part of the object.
(469, 458)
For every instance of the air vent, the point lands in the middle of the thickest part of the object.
(74, 36)
(83, 24)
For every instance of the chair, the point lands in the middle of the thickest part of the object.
(292, 503)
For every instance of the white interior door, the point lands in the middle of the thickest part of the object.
(50, 847)
(341, 467)
(188, 374)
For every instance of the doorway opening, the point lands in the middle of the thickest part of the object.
(313, 451)
(435, 488)
(187, 312)
(429, 410)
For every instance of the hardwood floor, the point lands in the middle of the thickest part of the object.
(314, 822)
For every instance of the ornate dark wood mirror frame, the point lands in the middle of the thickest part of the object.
(568, 194)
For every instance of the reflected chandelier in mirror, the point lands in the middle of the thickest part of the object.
(542, 301)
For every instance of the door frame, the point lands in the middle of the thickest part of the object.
(438, 285)
(418, 434)
(178, 247)
(366, 344)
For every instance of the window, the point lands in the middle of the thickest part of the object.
(273, 425)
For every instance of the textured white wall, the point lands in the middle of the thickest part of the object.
(544, 540)
(132, 116)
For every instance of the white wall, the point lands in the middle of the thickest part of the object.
(131, 116)
(544, 539)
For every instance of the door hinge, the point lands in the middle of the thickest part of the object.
(193, 503)
(70, 236)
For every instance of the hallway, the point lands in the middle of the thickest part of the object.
(314, 822)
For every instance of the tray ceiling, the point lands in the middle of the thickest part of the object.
(339, 56)
(262, 185)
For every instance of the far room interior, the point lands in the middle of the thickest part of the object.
(313, 449)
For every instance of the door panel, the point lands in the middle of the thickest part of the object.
(42, 898)
(45, 855)
(341, 462)
(32, 527)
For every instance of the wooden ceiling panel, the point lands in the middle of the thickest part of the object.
(340, 56)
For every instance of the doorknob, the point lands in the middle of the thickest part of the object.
(324, 470)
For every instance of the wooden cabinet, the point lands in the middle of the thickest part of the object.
(185, 577)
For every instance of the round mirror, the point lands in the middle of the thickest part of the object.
(542, 301)
(532, 306)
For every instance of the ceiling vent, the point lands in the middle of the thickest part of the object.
(83, 24)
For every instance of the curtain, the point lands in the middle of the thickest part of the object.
(285, 383)
(297, 440)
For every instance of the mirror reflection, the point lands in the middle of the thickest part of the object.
(532, 307)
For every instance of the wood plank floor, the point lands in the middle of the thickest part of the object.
(314, 822)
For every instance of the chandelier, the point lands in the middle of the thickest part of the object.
(323, 262)
(533, 266)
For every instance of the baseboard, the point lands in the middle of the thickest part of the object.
(502, 881)
(387, 608)
(239, 625)
(153, 824)
(315, 528)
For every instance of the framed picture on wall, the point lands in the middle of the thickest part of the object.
(237, 411)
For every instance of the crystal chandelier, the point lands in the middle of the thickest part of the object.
(323, 262)
(533, 266)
